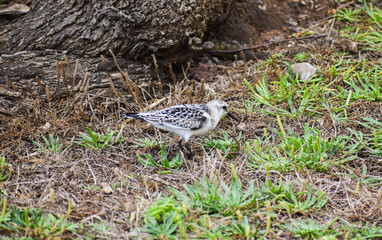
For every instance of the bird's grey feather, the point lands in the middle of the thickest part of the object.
(187, 116)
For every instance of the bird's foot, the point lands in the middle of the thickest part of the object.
(187, 154)
(190, 156)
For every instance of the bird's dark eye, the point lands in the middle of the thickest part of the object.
(224, 107)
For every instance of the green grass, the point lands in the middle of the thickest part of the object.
(163, 163)
(369, 231)
(362, 85)
(196, 212)
(227, 145)
(367, 31)
(302, 56)
(97, 141)
(308, 229)
(289, 97)
(17, 222)
(349, 15)
(210, 197)
(50, 144)
(217, 210)
(3, 176)
(92, 188)
(307, 152)
(147, 143)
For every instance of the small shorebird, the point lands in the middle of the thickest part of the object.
(187, 120)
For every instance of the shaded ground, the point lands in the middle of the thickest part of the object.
(81, 176)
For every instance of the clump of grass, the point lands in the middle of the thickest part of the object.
(209, 198)
(363, 84)
(308, 229)
(3, 176)
(368, 30)
(162, 219)
(33, 223)
(147, 143)
(289, 97)
(372, 141)
(92, 188)
(196, 211)
(309, 151)
(369, 231)
(301, 56)
(50, 144)
(164, 163)
(226, 145)
(350, 15)
(98, 140)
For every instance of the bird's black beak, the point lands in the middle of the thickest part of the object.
(232, 116)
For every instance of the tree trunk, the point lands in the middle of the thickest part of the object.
(132, 29)
(38, 51)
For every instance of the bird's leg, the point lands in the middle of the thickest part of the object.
(189, 150)
(191, 154)
(180, 145)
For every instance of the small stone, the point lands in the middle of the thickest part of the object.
(242, 126)
(106, 188)
(304, 70)
(46, 126)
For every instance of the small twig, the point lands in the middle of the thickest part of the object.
(123, 81)
(30, 182)
(154, 104)
(202, 90)
(157, 72)
(185, 71)
(118, 94)
(36, 104)
(172, 75)
(58, 71)
(103, 60)
(84, 86)
(68, 63)
(136, 95)
(38, 81)
(14, 87)
(190, 98)
(64, 75)
(331, 28)
(115, 61)
(129, 82)
(243, 58)
(7, 81)
(126, 75)
(30, 88)
(75, 73)
(163, 181)
(91, 170)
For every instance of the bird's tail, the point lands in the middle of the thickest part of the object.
(133, 115)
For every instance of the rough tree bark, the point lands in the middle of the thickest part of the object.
(35, 48)
(130, 28)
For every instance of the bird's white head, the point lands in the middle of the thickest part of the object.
(218, 109)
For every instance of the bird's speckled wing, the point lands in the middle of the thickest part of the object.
(188, 116)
